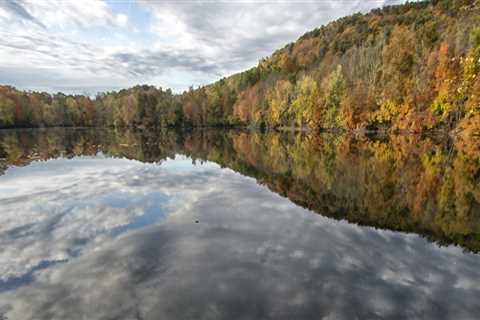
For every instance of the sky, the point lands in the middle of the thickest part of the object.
(89, 46)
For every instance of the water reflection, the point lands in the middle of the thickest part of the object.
(426, 185)
(87, 236)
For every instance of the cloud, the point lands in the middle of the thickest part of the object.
(121, 20)
(17, 9)
(64, 14)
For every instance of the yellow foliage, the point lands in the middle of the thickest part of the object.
(387, 113)
(306, 100)
(278, 99)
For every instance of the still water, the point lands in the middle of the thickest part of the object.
(101, 224)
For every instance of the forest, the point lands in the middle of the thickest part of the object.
(403, 68)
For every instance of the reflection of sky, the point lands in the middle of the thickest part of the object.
(51, 210)
(127, 244)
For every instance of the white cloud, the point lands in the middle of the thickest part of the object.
(121, 20)
(73, 14)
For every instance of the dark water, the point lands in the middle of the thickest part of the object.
(98, 224)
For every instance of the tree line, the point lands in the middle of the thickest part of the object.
(411, 67)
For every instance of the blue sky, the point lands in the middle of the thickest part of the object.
(95, 45)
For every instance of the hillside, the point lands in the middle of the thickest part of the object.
(411, 67)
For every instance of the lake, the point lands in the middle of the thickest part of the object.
(217, 224)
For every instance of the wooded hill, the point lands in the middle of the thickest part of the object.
(410, 67)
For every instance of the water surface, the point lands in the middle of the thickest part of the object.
(98, 224)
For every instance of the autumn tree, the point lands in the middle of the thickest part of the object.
(306, 101)
(333, 88)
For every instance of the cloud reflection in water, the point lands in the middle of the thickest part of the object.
(129, 247)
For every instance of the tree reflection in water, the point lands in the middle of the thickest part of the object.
(426, 185)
